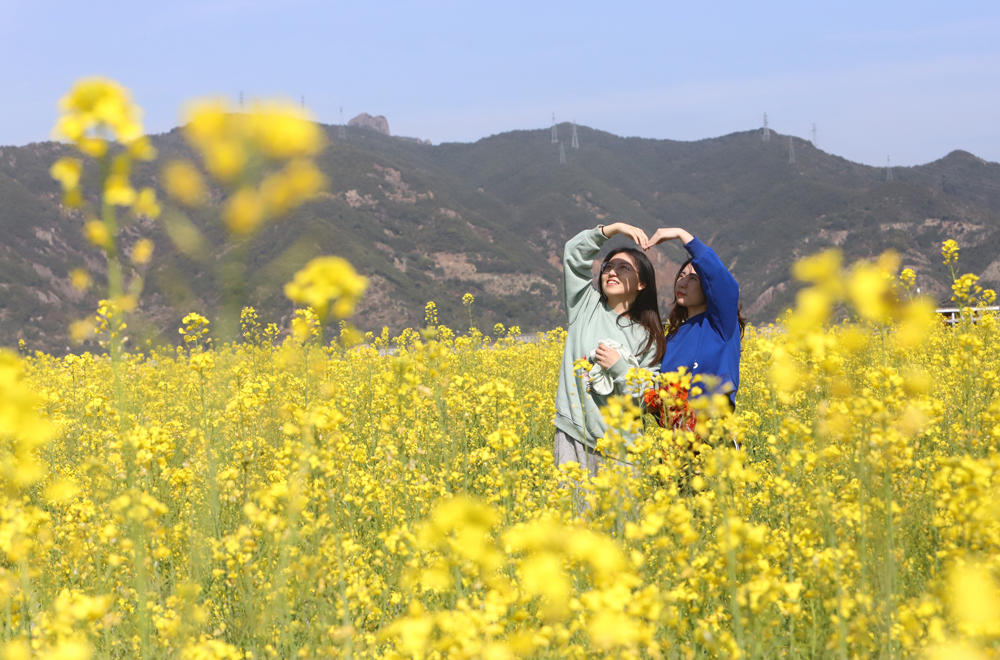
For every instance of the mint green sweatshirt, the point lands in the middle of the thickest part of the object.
(578, 410)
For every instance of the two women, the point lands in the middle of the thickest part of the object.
(618, 326)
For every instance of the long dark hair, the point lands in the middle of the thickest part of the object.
(644, 310)
(679, 313)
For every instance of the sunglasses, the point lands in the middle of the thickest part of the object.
(621, 267)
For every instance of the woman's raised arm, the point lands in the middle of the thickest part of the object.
(722, 292)
(579, 255)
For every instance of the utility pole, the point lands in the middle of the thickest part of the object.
(815, 142)
(341, 128)
(555, 133)
(576, 142)
(791, 149)
(241, 99)
(767, 130)
(303, 101)
(562, 154)
(888, 169)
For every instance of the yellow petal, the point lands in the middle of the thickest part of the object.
(142, 251)
(118, 191)
(145, 204)
(93, 147)
(142, 149)
(80, 279)
(244, 212)
(97, 233)
(67, 172)
(183, 182)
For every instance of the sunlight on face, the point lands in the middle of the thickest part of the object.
(620, 278)
(687, 288)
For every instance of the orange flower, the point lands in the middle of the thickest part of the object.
(671, 402)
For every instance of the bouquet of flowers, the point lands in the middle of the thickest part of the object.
(669, 404)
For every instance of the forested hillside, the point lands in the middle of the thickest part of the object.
(490, 218)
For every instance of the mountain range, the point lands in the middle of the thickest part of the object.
(433, 222)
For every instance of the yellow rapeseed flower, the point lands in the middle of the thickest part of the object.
(327, 284)
(145, 204)
(70, 649)
(244, 212)
(118, 190)
(142, 251)
(868, 290)
(284, 131)
(949, 250)
(298, 182)
(97, 233)
(61, 491)
(67, 172)
(80, 279)
(20, 424)
(430, 314)
(812, 310)
(205, 120)
(183, 182)
(225, 159)
(16, 650)
(964, 288)
(194, 330)
(785, 373)
(99, 104)
(818, 267)
(975, 600)
(94, 147)
(142, 149)
(81, 330)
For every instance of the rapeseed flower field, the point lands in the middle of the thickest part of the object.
(250, 496)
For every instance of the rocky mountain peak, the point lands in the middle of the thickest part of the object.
(365, 120)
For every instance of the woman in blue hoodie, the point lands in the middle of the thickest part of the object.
(706, 323)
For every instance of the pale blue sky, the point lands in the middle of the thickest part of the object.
(912, 80)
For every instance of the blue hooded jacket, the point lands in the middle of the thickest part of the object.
(709, 343)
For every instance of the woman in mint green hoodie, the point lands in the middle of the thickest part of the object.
(623, 309)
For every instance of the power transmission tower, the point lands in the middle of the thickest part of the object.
(576, 142)
(767, 129)
(241, 99)
(815, 142)
(303, 101)
(341, 128)
(562, 154)
(888, 169)
(555, 133)
(791, 149)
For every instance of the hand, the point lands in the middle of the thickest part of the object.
(669, 234)
(605, 356)
(636, 234)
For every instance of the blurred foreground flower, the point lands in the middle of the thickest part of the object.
(142, 251)
(975, 600)
(183, 182)
(253, 167)
(327, 284)
(263, 157)
(95, 106)
(22, 428)
(96, 112)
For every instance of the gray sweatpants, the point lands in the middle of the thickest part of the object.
(570, 450)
